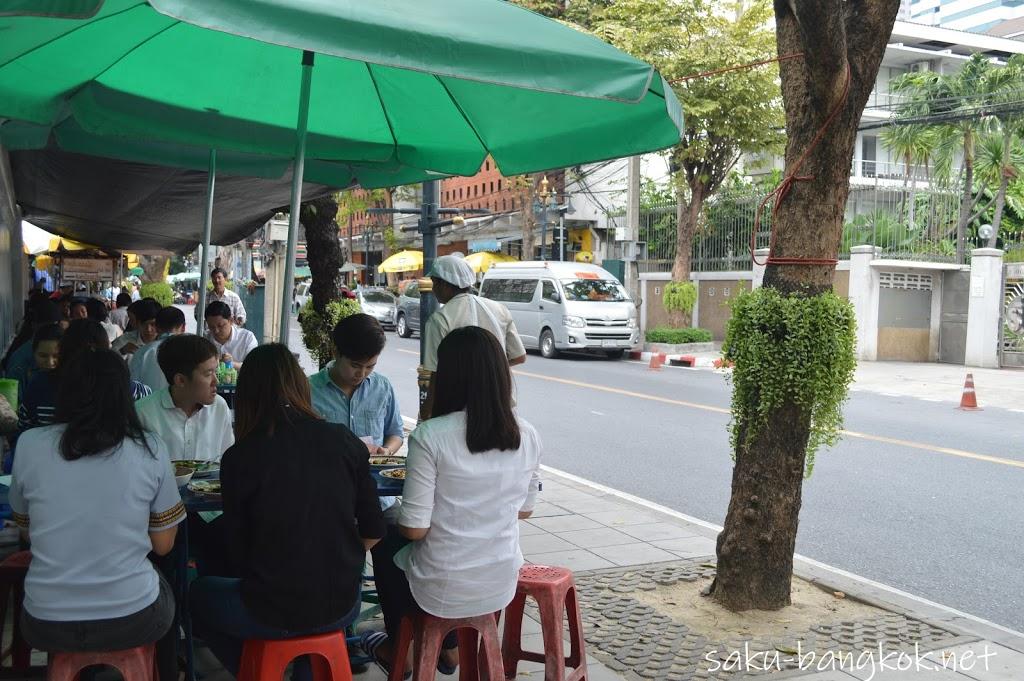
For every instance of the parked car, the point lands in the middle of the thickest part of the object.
(301, 295)
(407, 313)
(380, 303)
(565, 306)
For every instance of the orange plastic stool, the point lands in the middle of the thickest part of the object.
(555, 592)
(135, 664)
(12, 582)
(266, 660)
(426, 633)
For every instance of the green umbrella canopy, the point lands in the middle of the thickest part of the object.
(402, 90)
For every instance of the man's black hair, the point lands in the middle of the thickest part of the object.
(358, 337)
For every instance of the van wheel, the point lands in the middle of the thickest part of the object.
(402, 328)
(615, 354)
(547, 345)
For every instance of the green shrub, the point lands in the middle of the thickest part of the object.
(228, 284)
(160, 290)
(679, 296)
(317, 328)
(677, 336)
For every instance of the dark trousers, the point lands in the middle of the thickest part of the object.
(221, 618)
(149, 625)
(396, 600)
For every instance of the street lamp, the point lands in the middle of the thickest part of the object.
(547, 200)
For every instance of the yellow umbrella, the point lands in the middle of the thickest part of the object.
(57, 243)
(403, 261)
(482, 261)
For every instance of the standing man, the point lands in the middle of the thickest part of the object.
(220, 293)
(232, 342)
(119, 315)
(145, 366)
(452, 278)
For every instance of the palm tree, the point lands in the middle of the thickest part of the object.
(912, 143)
(960, 106)
(999, 155)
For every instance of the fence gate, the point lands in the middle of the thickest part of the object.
(1011, 340)
(953, 320)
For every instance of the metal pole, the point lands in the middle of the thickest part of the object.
(293, 212)
(366, 256)
(561, 237)
(428, 216)
(544, 229)
(204, 265)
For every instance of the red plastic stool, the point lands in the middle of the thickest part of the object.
(135, 664)
(426, 633)
(266, 660)
(555, 592)
(12, 581)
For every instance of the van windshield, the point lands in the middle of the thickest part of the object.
(596, 290)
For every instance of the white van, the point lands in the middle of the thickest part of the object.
(564, 306)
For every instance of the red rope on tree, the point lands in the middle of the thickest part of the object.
(782, 190)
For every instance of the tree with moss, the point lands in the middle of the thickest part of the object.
(792, 340)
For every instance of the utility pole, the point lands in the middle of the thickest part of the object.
(632, 234)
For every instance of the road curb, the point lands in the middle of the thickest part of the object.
(691, 361)
(836, 579)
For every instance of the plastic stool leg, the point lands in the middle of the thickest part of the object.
(491, 652)
(512, 637)
(551, 614)
(577, 646)
(401, 650)
(469, 664)
(426, 648)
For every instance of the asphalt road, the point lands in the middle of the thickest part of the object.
(923, 497)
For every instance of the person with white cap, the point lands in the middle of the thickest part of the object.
(452, 278)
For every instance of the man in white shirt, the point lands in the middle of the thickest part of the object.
(232, 342)
(144, 365)
(142, 314)
(452, 278)
(119, 315)
(220, 292)
(189, 416)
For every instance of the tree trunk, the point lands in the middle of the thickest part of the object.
(1008, 173)
(527, 191)
(755, 548)
(903, 194)
(687, 216)
(323, 251)
(154, 267)
(966, 199)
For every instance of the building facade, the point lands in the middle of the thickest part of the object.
(976, 16)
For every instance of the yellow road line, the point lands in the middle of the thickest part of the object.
(719, 410)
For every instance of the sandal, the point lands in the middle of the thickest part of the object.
(370, 642)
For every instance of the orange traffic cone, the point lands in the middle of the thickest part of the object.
(657, 359)
(969, 400)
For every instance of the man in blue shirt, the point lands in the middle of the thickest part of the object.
(347, 391)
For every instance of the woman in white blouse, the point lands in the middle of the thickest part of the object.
(472, 474)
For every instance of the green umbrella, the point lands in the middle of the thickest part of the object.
(401, 90)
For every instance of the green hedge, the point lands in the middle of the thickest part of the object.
(316, 329)
(677, 336)
(160, 290)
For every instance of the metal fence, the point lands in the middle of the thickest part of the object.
(907, 223)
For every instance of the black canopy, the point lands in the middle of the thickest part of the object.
(129, 206)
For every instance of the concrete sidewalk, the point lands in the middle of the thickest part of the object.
(625, 551)
(1003, 388)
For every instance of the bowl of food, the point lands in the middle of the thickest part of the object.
(182, 474)
(387, 461)
(393, 474)
(207, 487)
(200, 468)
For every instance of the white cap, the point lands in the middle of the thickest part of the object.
(454, 270)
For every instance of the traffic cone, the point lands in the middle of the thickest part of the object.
(969, 400)
(657, 359)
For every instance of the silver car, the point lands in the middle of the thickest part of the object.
(378, 303)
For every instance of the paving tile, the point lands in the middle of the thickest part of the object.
(634, 554)
(565, 523)
(688, 547)
(985, 661)
(866, 673)
(602, 536)
(543, 543)
(543, 510)
(526, 528)
(624, 515)
(591, 505)
(575, 559)
(658, 531)
(828, 676)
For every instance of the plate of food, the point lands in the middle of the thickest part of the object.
(387, 461)
(202, 468)
(205, 486)
(393, 474)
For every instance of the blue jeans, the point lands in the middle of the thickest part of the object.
(221, 619)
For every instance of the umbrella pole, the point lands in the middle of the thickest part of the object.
(204, 261)
(293, 213)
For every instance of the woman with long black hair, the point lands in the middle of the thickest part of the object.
(472, 474)
(95, 494)
(300, 512)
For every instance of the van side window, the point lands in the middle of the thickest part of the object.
(549, 292)
(509, 290)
